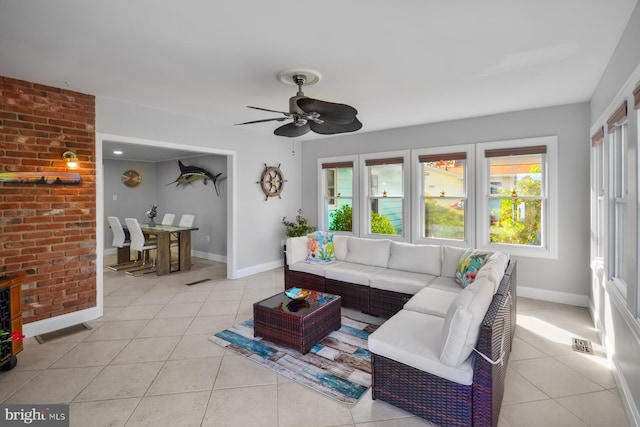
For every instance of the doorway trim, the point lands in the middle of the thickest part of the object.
(232, 272)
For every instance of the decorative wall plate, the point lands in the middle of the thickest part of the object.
(131, 178)
(271, 181)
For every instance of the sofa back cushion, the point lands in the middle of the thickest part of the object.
(425, 259)
(340, 246)
(373, 252)
(450, 260)
(494, 268)
(462, 322)
(296, 249)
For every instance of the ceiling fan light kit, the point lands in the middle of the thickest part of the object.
(308, 114)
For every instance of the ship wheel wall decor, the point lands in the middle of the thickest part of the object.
(271, 181)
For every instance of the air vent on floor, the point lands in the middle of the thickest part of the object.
(583, 346)
(196, 282)
(60, 333)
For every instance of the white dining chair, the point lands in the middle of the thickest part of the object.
(168, 219)
(139, 244)
(186, 220)
(119, 241)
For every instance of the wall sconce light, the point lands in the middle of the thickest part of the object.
(71, 159)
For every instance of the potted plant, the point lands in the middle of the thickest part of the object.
(299, 227)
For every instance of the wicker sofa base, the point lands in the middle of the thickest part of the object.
(431, 397)
(353, 296)
(299, 279)
(386, 303)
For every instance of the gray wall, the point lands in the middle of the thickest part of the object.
(210, 211)
(615, 317)
(565, 279)
(258, 230)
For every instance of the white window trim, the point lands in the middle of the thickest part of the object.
(406, 188)
(416, 203)
(550, 232)
(323, 214)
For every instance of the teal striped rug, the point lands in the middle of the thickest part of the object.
(339, 366)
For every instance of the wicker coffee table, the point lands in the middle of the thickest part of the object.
(297, 324)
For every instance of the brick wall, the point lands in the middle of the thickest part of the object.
(48, 230)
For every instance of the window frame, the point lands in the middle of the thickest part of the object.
(365, 200)
(549, 248)
(618, 205)
(323, 211)
(417, 203)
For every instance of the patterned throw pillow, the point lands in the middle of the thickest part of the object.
(470, 262)
(320, 248)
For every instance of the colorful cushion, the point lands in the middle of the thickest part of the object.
(470, 262)
(320, 248)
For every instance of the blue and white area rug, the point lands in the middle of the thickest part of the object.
(339, 366)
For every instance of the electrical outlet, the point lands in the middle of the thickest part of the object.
(208, 238)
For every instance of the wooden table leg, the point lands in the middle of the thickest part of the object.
(184, 250)
(163, 258)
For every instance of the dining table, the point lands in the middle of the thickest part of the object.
(163, 235)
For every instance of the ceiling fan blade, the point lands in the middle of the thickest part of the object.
(341, 114)
(327, 128)
(271, 111)
(278, 119)
(290, 130)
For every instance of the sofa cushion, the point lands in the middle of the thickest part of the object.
(413, 339)
(340, 246)
(404, 282)
(296, 249)
(462, 322)
(446, 284)
(317, 269)
(431, 301)
(470, 263)
(494, 268)
(426, 259)
(450, 260)
(320, 247)
(374, 252)
(358, 274)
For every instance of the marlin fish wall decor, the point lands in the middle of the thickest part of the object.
(190, 174)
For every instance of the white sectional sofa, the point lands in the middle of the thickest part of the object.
(426, 355)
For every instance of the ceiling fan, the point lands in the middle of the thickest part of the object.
(310, 114)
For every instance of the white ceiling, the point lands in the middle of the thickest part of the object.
(400, 63)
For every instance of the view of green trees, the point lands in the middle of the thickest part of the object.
(443, 222)
(519, 219)
(342, 220)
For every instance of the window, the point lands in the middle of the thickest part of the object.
(443, 196)
(516, 207)
(337, 190)
(618, 203)
(385, 181)
(598, 190)
(517, 202)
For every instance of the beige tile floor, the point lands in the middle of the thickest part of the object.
(148, 362)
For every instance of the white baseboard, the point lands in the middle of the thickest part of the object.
(209, 256)
(553, 296)
(244, 272)
(63, 321)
